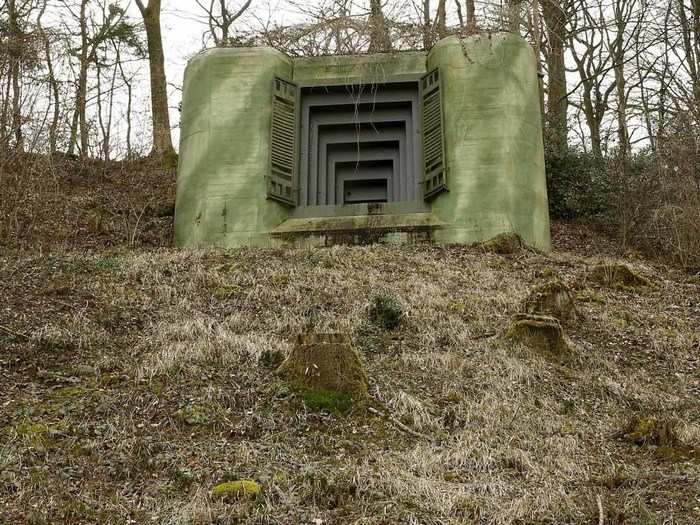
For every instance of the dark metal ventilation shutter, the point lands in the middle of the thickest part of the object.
(283, 143)
(434, 177)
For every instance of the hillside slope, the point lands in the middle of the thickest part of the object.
(133, 382)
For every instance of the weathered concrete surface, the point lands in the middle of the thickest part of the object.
(356, 69)
(493, 140)
(494, 151)
(224, 148)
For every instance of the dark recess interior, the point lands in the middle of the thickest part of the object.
(364, 181)
(359, 144)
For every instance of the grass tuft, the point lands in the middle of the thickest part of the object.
(386, 312)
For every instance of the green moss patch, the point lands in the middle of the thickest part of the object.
(386, 312)
(503, 244)
(588, 295)
(36, 433)
(326, 400)
(661, 435)
(195, 415)
(655, 431)
(233, 490)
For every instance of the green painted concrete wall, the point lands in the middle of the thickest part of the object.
(224, 148)
(492, 136)
(368, 69)
(493, 140)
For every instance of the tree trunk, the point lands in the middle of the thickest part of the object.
(162, 140)
(471, 15)
(557, 104)
(80, 106)
(513, 16)
(690, 32)
(100, 119)
(622, 132)
(537, 37)
(441, 19)
(427, 29)
(4, 130)
(16, 44)
(79, 118)
(379, 39)
(129, 99)
(53, 84)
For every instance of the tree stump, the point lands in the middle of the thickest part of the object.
(539, 332)
(618, 275)
(326, 362)
(553, 298)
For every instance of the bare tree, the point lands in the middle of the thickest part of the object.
(471, 15)
(592, 63)
(555, 19)
(441, 19)
(94, 31)
(689, 22)
(513, 15)
(379, 38)
(162, 140)
(51, 79)
(220, 17)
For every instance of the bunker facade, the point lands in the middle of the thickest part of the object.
(444, 145)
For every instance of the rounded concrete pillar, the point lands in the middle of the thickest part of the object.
(493, 140)
(224, 148)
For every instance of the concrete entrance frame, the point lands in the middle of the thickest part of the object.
(491, 136)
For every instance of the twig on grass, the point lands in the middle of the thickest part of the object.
(487, 335)
(398, 423)
(16, 334)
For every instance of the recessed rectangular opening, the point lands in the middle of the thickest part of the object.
(365, 191)
(359, 144)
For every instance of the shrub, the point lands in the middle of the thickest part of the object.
(386, 312)
(654, 205)
(577, 184)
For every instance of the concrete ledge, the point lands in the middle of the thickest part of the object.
(376, 223)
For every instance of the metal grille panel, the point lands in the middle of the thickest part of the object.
(283, 144)
(434, 177)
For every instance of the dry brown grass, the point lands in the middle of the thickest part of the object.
(65, 202)
(136, 381)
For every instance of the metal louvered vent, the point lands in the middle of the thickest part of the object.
(283, 143)
(434, 177)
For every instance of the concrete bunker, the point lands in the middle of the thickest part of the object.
(444, 145)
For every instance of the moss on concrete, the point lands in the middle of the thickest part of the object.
(317, 400)
(494, 152)
(503, 244)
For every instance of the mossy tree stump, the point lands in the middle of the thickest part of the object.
(553, 298)
(326, 363)
(651, 431)
(539, 332)
(618, 275)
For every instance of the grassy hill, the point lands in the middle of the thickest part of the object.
(133, 382)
